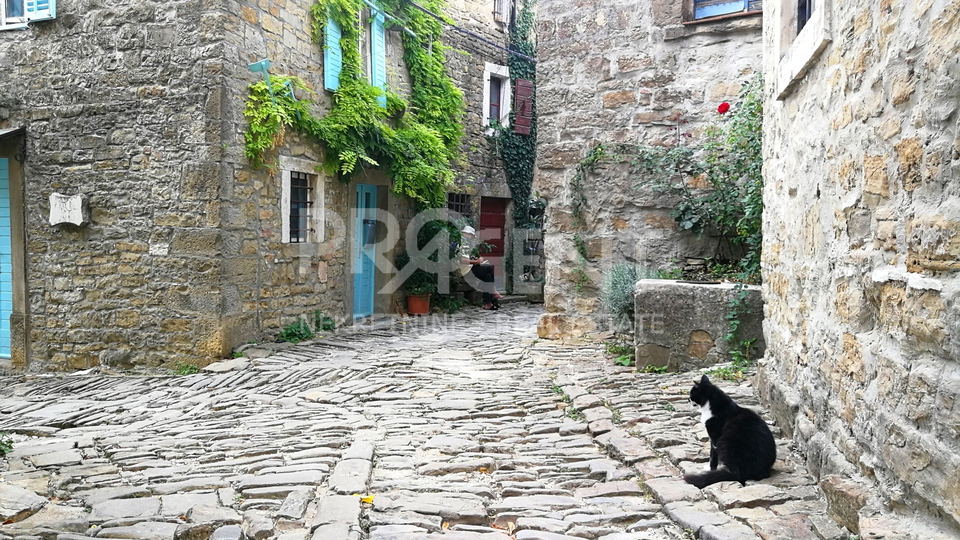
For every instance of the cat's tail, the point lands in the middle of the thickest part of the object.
(711, 477)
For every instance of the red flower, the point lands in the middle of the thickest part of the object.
(724, 107)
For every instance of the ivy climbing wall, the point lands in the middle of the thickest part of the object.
(626, 74)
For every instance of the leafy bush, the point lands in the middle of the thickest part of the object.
(187, 369)
(296, 332)
(323, 323)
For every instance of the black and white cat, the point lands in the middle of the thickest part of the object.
(741, 445)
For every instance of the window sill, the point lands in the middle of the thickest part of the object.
(17, 26)
(726, 17)
(734, 22)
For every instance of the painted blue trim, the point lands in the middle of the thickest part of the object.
(364, 270)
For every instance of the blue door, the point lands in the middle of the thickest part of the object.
(6, 260)
(365, 241)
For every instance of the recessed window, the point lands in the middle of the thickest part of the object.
(496, 95)
(17, 13)
(301, 202)
(459, 203)
(708, 9)
(803, 32)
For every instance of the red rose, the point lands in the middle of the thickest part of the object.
(724, 107)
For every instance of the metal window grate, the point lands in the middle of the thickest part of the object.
(301, 199)
(459, 203)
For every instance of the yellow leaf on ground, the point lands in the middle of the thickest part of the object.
(368, 499)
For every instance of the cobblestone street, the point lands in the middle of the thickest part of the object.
(469, 428)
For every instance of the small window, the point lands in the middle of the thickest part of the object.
(804, 12)
(301, 202)
(459, 203)
(17, 13)
(707, 9)
(496, 95)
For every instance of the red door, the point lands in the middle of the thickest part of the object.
(493, 218)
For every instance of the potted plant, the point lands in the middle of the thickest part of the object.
(418, 286)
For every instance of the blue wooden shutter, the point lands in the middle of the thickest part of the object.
(332, 56)
(714, 8)
(41, 10)
(378, 62)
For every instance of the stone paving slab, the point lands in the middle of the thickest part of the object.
(445, 428)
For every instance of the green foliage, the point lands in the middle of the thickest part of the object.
(187, 369)
(517, 151)
(416, 142)
(618, 291)
(6, 444)
(670, 273)
(731, 162)
(623, 360)
(323, 323)
(654, 369)
(669, 406)
(296, 332)
(420, 281)
(448, 303)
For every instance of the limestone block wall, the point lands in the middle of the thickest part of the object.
(861, 246)
(119, 103)
(139, 106)
(626, 72)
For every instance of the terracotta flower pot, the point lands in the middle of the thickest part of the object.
(418, 304)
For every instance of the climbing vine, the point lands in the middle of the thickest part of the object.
(518, 151)
(416, 142)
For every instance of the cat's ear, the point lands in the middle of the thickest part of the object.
(704, 380)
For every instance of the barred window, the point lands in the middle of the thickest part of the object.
(301, 202)
(459, 203)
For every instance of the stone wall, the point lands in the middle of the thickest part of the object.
(630, 73)
(861, 246)
(139, 106)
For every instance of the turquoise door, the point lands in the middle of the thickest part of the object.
(6, 260)
(365, 240)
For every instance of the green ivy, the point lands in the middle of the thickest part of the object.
(517, 151)
(416, 142)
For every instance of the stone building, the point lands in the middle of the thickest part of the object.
(645, 73)
(861, 253)
(134, 109)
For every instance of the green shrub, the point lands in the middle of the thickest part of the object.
(187, 369)
(618, 292)
(6, 444)
(323, 323)
(296, 332)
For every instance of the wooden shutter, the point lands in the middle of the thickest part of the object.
(41, 10)
(332, 56)
(522, 106)
(378, 53)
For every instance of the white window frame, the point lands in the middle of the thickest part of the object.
(503, 73)
(805, 48)
(19, 23)
(318, 181)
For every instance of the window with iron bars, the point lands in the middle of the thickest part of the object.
(459, 203)
(301, 204)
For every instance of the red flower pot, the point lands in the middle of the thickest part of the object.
(418, 304)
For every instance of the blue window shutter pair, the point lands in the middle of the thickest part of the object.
(378, 53)
(41, 10)
(332, 56)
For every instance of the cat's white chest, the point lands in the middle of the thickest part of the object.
(705, 413)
